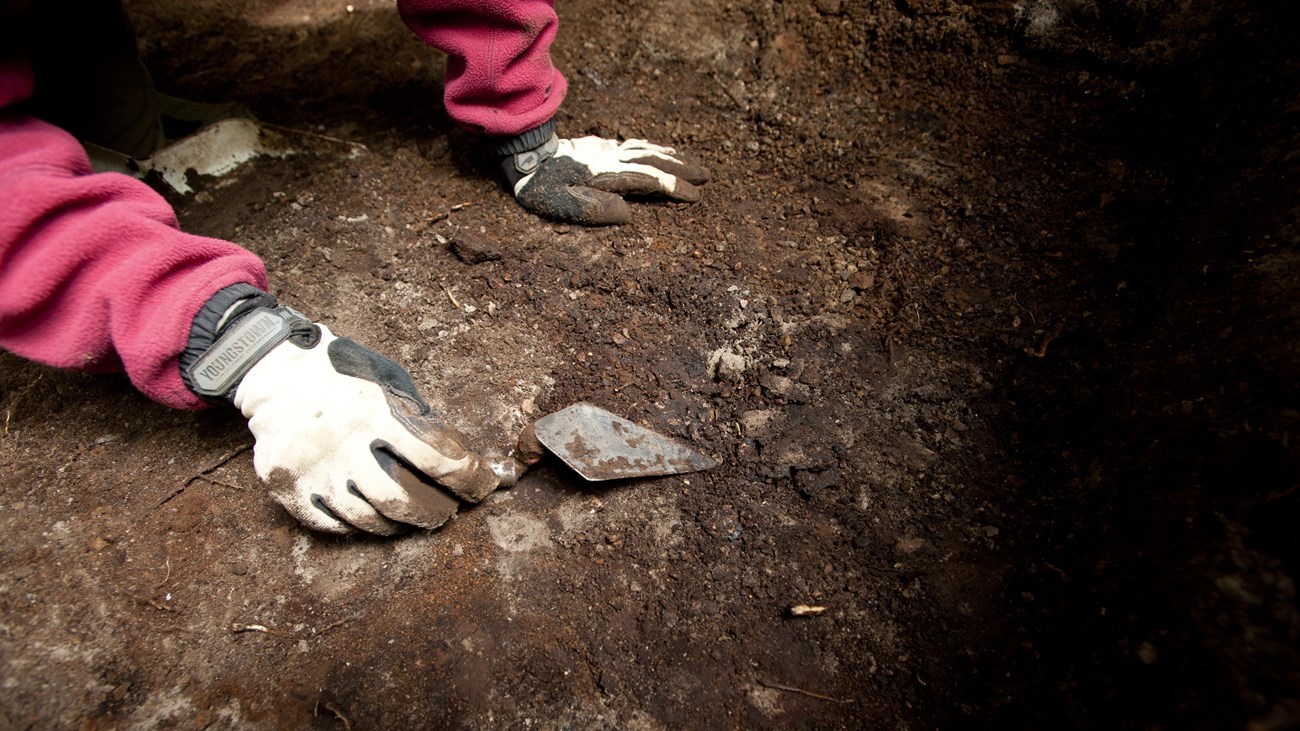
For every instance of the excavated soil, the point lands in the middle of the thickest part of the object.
(988, 314)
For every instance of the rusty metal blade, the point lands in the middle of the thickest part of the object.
(600, 445)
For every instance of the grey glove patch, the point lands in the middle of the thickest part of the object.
(351, 358)
(318, 502)
(217, 372)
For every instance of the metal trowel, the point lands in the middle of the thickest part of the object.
(599, 445)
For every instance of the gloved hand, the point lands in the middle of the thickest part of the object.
(583, 180)
(343, 438)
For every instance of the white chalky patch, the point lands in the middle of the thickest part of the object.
(726, 363)
(519, 533)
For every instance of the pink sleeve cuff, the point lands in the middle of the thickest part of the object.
(94, 272)
(500, 80)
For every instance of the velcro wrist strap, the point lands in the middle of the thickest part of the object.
(522, 164)
(217, 372)
(529, 160)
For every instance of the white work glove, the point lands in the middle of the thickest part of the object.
(343, 438)
(584, 180)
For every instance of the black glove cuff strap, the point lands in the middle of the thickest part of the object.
(217, 372)
(222, 310)
(525, 163)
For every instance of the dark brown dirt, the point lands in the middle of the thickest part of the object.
(989, 313)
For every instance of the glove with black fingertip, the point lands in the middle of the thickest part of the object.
(584, 180)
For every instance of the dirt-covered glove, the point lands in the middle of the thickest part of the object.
(343, 438)
(583, 180)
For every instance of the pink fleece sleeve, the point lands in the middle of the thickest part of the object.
(94, 272)
(500, 80)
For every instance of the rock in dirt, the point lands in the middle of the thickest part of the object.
(811, 483)
(724, 523)
(908, 545)
(784, 388)
(474, 249)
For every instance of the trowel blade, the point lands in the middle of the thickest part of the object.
(600, 445)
